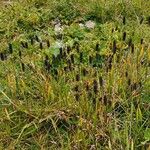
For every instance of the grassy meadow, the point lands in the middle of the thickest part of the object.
(67, 86)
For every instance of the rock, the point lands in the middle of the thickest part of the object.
(58, 28)
(90, 24)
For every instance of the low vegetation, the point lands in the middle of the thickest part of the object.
(72, 86)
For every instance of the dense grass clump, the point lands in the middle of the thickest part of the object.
(64, 85)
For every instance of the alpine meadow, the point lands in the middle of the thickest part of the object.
(74, 74)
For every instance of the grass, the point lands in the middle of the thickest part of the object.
(91, 92)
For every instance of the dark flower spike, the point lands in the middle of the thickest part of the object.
(85, 72)
(148, 20)
(132, 48)
(20, 54)
(77, 96)
(61, 51)
(81, 57)
(97, 47)
(65, 69)
(76, 88)
(68, 49)
(55, 72)
(26, 45)
(5, 56)
(78, 48)
(48, 43)
(37, 38)
(112, 31)
(77, 77)
(46, 63)
(142, 40)
(134, 86)
(114, 47)
(64, 54)
(2, 56)
(116, 28)
(95, 86)
(124, 20)
(140, 84)
(101, 81)
(41, 45)
(23, 44)
(130, 42)
(105, 100)
(94, 102)
(23, 66)
(129, 82)
(124, 36)
(46, 57)
(70, 67)
(72, 58)
(126, 74)
(87, 87)
(109, 66)
(32, 41)
(90, 59)
(10, 48)
(142, 19)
